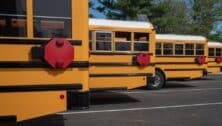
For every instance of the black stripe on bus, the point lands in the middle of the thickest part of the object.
(114, 53)
(34, 88)
(214, 66)
(7, 119)
(177, 56)
(184, 69)
(176, 63)
(117, 64)
(120, 75)
(34, 42)
(38, 64)
(108, 88)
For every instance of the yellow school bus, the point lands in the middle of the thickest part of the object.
(43, 57)
(180, 57)
(214, 57)
(121, 54)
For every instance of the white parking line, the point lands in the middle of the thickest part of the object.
(139, 109)
(170, 91)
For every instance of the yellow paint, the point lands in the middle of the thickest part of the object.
(115, 82)
(184, 62)
(213, 66)
(27, 105)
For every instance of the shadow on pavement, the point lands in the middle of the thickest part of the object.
(52, 120)
(178, 85)
(108, 97)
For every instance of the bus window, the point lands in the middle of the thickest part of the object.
(123, 41)
(168, 49)
(200, 49)
(13, 18)
(103, 41)
(218, 51)
(53, 22)
(141, 42)
(189, 49)
(179, 49)
(211, 52)
(90, 40)
(158, 49)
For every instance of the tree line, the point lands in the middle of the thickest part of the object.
(195, 17)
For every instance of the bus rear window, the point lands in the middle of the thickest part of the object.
(52, 18)
(13, 18)
(199, 49)
(168, 49)
(211, 52)
(141, 42)
(123, 41)
(104, 41)
(189, 49)
(178, 49)
(158, 49)
(218, 51)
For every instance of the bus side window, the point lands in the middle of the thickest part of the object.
(13, 18)
(90, 40)
(218, 51)
(189, 49)
(53, 22)
(103, 41)
(141, 42)
(122, 41)
(168, 49)
(158, 49)
(200, 49)
(179, 49)
(211, 52)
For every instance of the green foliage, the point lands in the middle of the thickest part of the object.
(195, 17)
(124, 9)
(91, 4)
(204, 14)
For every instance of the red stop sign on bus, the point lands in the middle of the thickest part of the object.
(59, 53)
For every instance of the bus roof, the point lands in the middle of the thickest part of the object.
(119, 23)
(180, 37)
(214, 43)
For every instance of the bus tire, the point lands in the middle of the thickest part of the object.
(159, 81)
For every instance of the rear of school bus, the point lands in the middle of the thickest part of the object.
(43, 56)
(180, 57)
(214, 57)
(122, 54)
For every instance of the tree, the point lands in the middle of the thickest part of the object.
(124, 9)
(170, 16)
(204, 14)
(91, 4)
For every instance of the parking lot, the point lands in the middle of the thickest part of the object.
(181, 103)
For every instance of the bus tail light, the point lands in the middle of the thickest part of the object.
(201, 60)
(143, 59)
(219, 59)
(58, 53)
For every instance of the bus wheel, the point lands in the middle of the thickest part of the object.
(158, 83)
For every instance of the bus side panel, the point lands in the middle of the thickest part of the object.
(213, 67)
(117, 82)
(80, 30)
(28, 105)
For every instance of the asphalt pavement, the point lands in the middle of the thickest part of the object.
(181, 103)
